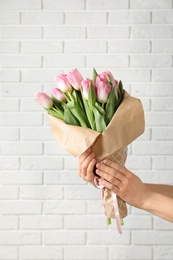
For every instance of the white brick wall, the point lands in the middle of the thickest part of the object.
(47, 211)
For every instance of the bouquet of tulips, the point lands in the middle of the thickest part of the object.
(95, 113)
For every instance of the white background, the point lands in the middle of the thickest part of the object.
(46, 211)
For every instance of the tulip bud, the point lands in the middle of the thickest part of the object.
(85, 86)
(63, 83)
(75, 79)
(103, 91)
(58, 94)
(44, 100)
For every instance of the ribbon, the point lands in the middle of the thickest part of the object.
(115, 203)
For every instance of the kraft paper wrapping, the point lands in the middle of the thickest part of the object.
(126, 125)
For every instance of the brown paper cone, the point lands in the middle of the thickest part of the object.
(118, 157)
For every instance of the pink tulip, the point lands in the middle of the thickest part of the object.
(63, 83)
(106, 77)
(58, 94)
(103, 91)
(85, 86)
(75, 79)
(44, 100)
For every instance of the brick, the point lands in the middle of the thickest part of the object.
(19, 237)
(63, 237)
(85, 18)
(162, 17)
(65, 61)
(22, 148)
(39, 134)
(131, 252)
(9, 47)
(7, 192)
(8, 223)
(64, 207)
(162, 104)
(129, 17)
(161, 252)
(107, 237)
(108, 32)
(163, 163)
(29, 104)
(71, 163)
(20, 207)
(64, 32)
(63, 5)
(85, 222)
(45, 46)
(9, 104)
(19, 119)
(131, 74)
(40, 192)
(128, 46)
(42, 17)
(85, 253)
(152, 89)
(150, 60)
(41, 222)
(20, 4)
(133, 222)
(41, 252)
(52, 148)
(161, 224)
(20, 89)
(10, 163)
(8, 252)
(109, 60)
(109, 5)
(81, 192)
(156, 148)
(62, 177)
(40, 163)
(135, 162)
(162, 133)
(150, 4)
(162, 45)
(40, 75)
(9, 17)
(14, 75)
(94, 207)
(85, 46)
(21, 32)
(18, 61)
(158, 76)
(151, 31)
(152, 237)
(21, 178)
(159, 118)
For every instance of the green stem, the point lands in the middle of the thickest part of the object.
(108, 221)
(121, 222)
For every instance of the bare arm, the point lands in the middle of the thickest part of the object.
(163, 189)
(132, 190)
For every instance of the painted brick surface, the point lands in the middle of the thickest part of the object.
(47, 211)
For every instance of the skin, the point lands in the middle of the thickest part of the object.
(154, 198)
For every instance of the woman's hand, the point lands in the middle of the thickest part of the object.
(87, 162)
(123, 182)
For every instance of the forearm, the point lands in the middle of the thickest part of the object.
(166, 190)
(159, 205)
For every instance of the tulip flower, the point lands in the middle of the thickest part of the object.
(85, 86)
(102, 90)
(75, 79)
(58, 94)
(44, 100)
(63, 83)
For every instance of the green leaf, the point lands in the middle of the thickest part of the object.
(110, 106)
(54, 113)
(69, 118)
(95, 74)
(120, 92)
(58, 104)
(89, 114)
(100, 123)
(100, 108)
(91, 96)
